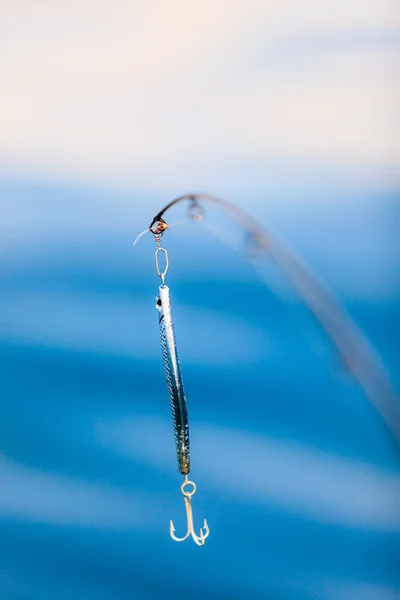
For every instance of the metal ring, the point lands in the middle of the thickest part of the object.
(184, 484)
(162, 274)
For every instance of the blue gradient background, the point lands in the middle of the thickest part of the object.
(296, 473)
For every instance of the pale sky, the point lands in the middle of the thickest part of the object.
(135, 93)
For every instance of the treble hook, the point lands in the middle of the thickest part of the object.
(200, 540)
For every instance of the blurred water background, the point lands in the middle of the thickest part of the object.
(109, 112)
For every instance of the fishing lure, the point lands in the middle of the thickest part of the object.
(176, 393)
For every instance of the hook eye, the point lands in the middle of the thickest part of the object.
(189, 493)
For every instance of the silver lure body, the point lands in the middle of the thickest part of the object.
(173, 376)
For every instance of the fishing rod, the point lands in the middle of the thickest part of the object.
(353, 347)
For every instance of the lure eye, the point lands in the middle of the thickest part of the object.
(159, 303)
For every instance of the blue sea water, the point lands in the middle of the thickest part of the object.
(295, 471)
